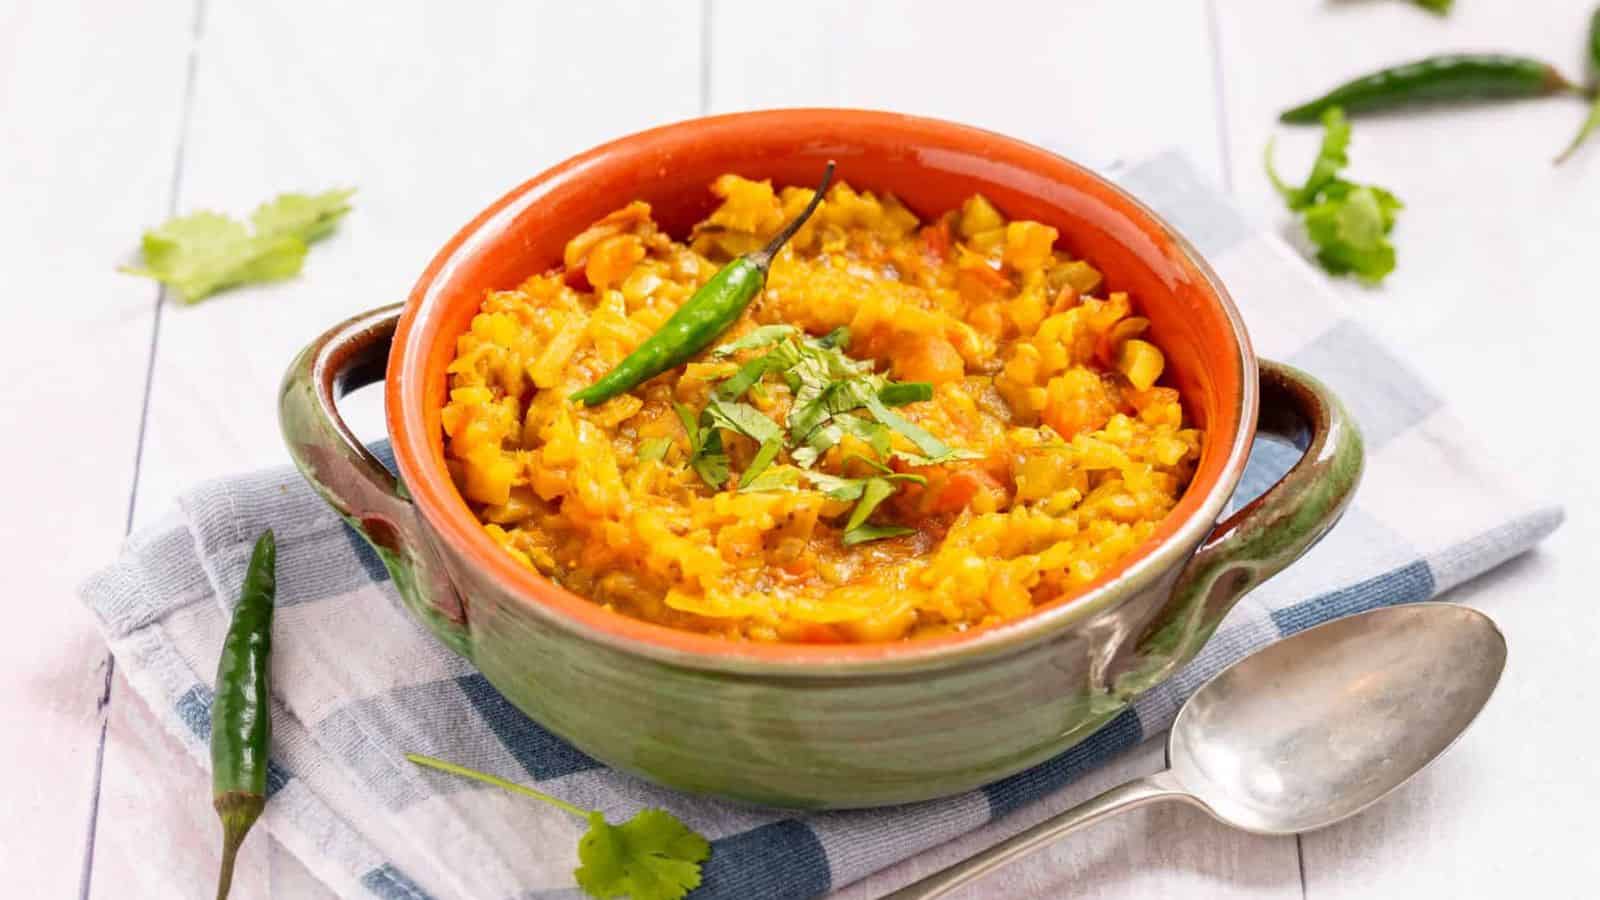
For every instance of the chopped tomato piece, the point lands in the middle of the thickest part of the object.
(961, 488)
(936, 238)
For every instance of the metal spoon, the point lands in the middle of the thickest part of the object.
(1303, 734)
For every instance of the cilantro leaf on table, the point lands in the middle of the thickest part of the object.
(1349, 223)
(1350, 227)
(1332, 156)
(1439, 6)
(309, 217)
(206, 252)
(652, 856)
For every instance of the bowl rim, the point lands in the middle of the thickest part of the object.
(450, 522)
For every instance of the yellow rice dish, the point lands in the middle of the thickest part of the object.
(1002, 440)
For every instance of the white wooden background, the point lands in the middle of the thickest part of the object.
(117, 114)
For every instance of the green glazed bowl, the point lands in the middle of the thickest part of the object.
(844, 725)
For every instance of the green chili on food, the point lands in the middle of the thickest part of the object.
(1592, 123)
(241, 725)
(715, 306)
(1437, 79)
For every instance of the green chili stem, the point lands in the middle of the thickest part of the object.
(238, 812)
(230, 850)
(764, 257)
(1592, 123)
(434, 763)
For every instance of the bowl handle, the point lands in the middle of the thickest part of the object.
(348, 356)
(1265, 536)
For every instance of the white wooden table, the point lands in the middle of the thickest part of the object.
(117, 114)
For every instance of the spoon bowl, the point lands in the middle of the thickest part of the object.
(1318, 727)
(1305, 733)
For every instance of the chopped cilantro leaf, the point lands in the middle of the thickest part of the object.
(1348, 222)
(869, 462)
(873, 434)
(706, 456)
(653, 449)
(925, 442)
(873, 494)
(744, 419)
(775, 478)
(819, 441)
(206, 252)
(917, 459)
(871, 532)
(763, 459)
(837, 339)
(759, 338)
(899, 393)
(837, 487)
(748, 377)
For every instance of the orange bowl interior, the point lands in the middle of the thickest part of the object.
(931, 166)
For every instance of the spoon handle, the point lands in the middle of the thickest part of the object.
(1138, 792)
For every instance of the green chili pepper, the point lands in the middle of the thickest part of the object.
(1593, 121)
(1438, 78)
(241, 724)
(702, 317)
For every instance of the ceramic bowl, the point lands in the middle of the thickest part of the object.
(803, 725)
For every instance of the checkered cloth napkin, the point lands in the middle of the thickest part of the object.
(357, 683)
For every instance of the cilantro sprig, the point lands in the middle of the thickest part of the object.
(1348, 222)
(206, 252)
(652, 856)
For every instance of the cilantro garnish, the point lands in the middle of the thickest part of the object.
(653, 449)
(744, 419)
(772, 478)
(652, 856)
(1349, 222)
(902, 392)
(758, 338)
(206, 252)
(706, 455)
(833, 396)
(870, 532)
(763, 459)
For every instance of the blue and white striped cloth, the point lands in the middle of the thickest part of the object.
(357, 683)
